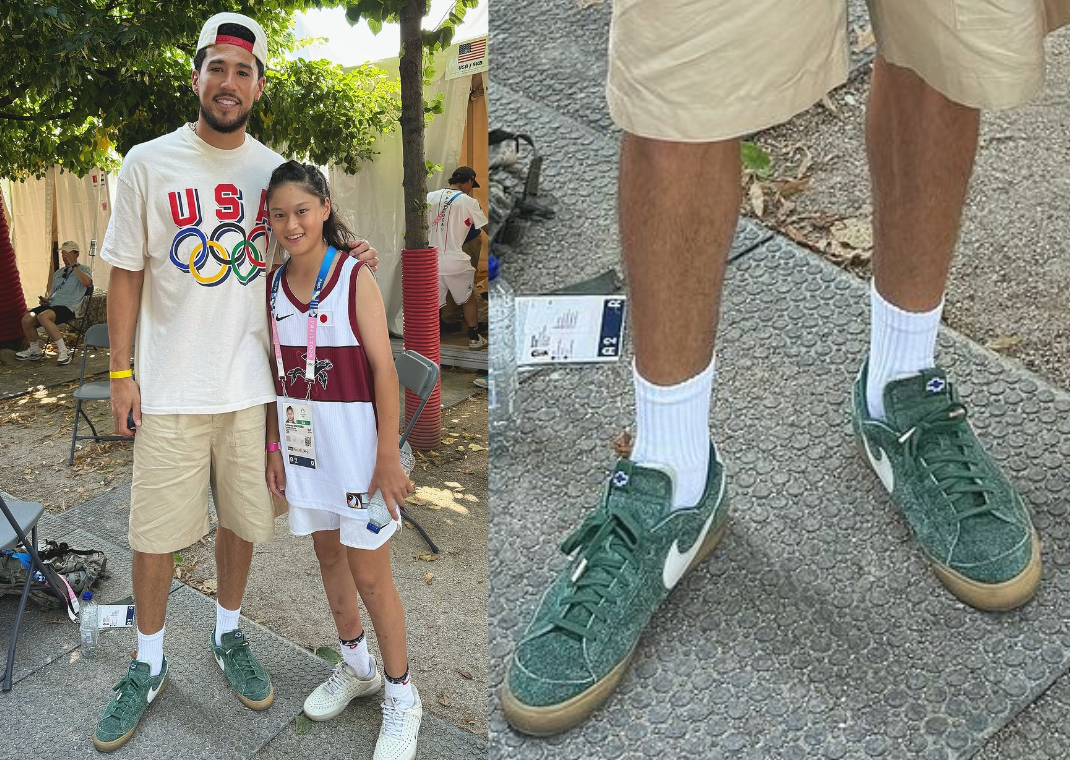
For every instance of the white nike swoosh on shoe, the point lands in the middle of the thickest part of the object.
(676, 564)
(219, 662)
(153, 692)
(881, 465)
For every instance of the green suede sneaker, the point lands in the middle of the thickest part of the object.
(133, 694)
(247, 677)
(627, 556)
(968, 519)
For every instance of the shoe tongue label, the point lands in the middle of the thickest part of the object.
(936, 385)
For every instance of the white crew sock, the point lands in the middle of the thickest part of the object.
(672, 428)
(60, 345)
(355, 655)
(150, 650)
(901, 343)
(225, 622)
(35, 347)
(400, 689)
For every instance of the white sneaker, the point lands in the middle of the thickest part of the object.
(344, 685)
(397, 735)
(478, 342)
(64, 356)
(29, 355)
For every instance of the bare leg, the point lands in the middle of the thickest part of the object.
(233, 555)
(921, 149)
(678, 209)
(374, 582)
(338, 583)
(152, 583)
(29, 327)
(470, 310)
(48, 321)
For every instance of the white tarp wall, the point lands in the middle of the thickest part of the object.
(82, 210)
(373, 200)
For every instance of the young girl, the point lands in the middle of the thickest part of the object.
(333, 441)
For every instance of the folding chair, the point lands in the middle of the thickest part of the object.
(87, 301)
(22, 516)
(95, 337)
(419, 375)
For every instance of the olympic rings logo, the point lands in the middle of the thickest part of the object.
(243, 251)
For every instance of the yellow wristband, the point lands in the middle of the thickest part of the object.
(120, 374)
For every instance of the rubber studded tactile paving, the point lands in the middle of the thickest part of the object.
(815, 630)
(196, 716)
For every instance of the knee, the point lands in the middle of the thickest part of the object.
(28, 319)
(329, 550)
(372, 585)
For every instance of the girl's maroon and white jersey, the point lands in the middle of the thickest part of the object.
(342, 394)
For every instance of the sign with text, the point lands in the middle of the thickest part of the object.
(471, 59)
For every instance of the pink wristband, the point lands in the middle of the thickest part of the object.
(272, 446)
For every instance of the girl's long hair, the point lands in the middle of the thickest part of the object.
(335, 231)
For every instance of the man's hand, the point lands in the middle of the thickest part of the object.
(42, 301)
(125, 399)
(365, 253)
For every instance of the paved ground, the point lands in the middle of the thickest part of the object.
(815, 631)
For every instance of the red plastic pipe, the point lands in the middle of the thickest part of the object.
(419, 299)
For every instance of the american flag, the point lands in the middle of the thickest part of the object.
(472, 51)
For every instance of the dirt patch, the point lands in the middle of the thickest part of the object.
(35, 441)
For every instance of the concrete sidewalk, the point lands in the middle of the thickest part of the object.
(815, 630)
(58, 695)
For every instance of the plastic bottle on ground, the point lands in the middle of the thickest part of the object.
(504, 385)
(89, 625)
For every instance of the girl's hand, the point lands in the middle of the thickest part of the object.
(390, 478)
(276, 474)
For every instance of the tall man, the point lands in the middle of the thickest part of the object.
(939, 62)
(69, 286)
(188, 243)
(452, 214)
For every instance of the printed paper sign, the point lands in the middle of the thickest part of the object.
(115, 615)
(569, 329)
(471, 59)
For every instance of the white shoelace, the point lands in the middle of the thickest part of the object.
(338, 680)
(394, 717)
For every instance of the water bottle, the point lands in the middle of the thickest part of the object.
(502, 378)
(89, 625)
(378, 515)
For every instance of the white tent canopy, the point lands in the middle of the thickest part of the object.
(371, 201)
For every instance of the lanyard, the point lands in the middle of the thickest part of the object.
(313, 310)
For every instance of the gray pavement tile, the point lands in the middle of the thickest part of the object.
(816, 629)
(47, 634)
(197, 716)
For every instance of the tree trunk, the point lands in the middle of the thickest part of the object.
(12, 302)
(412, 124)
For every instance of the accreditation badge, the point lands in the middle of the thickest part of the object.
(299, 435)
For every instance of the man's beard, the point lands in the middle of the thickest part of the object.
(225, 127)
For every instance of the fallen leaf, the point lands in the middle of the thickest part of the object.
(463, 673)
(1002, 343)
(302, 725)
(449, 440)
(622, 444)
(853, 233)
(429, 577)
(476, 447)
(330, 654)
(454, 485)
(208, 586)
(469, 497)
(443, 699)
(757, 198)
(426, 557)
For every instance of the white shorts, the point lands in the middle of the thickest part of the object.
(459, 285)
(353, 530)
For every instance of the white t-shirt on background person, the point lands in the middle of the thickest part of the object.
(184, 211)
(450, 215)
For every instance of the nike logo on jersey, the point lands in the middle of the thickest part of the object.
(284, 316)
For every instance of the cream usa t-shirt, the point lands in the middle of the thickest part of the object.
(194, 218)
(450, 215)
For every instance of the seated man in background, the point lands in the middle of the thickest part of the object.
(69, 286)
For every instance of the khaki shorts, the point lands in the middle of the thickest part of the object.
(708, 70)
(176, 456)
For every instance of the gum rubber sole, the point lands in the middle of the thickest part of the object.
(987, 597)
(114, 745)
(554, 719)
(260, 704)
